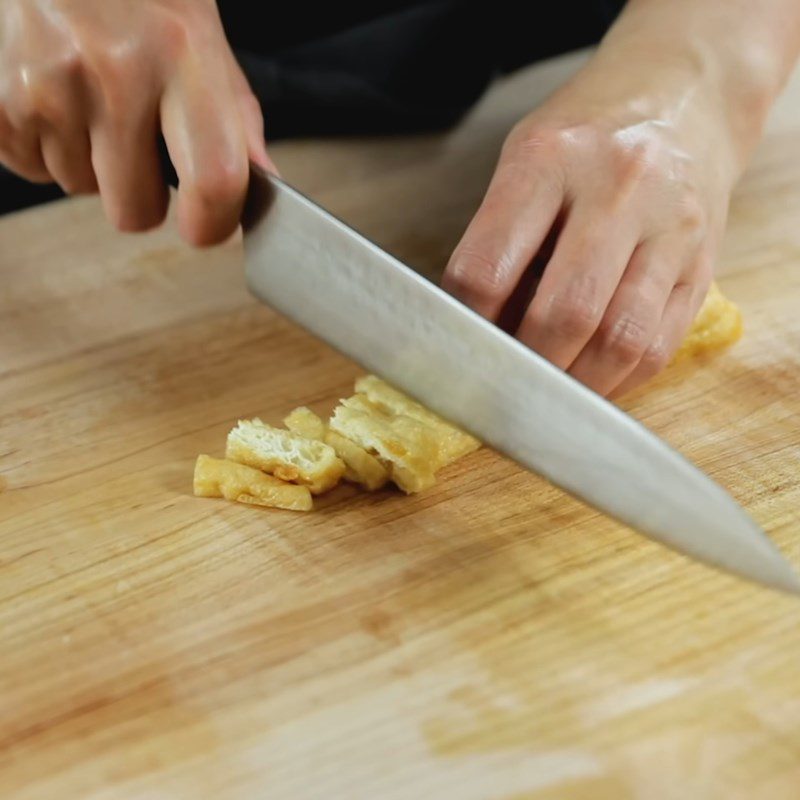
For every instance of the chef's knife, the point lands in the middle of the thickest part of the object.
(315, 270)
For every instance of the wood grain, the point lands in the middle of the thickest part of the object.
(491, 638)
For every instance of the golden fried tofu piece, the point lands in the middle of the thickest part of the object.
(360, 466)
(284, 454)
(717, 325)
(453, 443)
(216, 477)
(407, 447)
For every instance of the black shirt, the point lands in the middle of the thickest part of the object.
(398, 66)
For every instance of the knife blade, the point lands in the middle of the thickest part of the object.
(312, 268)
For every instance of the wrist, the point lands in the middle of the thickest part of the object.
(730, 60)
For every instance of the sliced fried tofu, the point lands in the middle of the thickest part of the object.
(286, 455)
(406, 446)
(453, 442)
(718, 324)
(216, 477)
(361, 467)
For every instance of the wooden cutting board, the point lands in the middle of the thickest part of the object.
(491, 638)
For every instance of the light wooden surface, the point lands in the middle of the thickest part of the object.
(489, 639)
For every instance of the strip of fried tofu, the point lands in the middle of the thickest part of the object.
(286, 455)
(408, 447)
(361, 467)
(216, 477)
(453, 443)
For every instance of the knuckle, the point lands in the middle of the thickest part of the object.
(693, 217)
(173, 27)
(632, 165)
(633, 158)
(19, 98)
(223, 182)
(537, 154)
(475, 274)
(530, 141)
(251, 106)
(40, 93)
(655, 358)
(573, 314)
(115, 97)
(71, 64)
(624, 338)
(65, 66)
(185, 24)
(115, 68)
(48, 106)
(124, 66)
(105, 61)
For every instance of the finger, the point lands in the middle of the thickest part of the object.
(252, 118)
(68, 159)
(590, 257)
(26, 162)
(20, 151)
(207, 144)
(26, 102)
(632, 318)
(124, 156)
(253, 121)
(518, 211)
(64, 137)
(681, 308)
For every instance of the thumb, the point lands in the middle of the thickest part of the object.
(252, 119)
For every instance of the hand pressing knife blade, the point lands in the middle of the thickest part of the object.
(320, 273)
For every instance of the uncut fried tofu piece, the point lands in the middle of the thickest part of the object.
(361, 467)
(286, 455)
(216, 477)
(406, 446)
(453, 442)
(717, 325)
